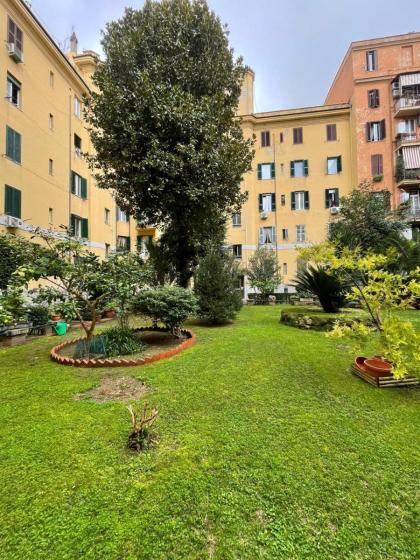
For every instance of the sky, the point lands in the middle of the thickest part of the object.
(294, 46)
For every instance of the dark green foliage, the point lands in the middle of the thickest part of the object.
(14, 252)
(263, 273)
(121, 342)
(38, 314)
(216, 285)
(324, 285)
(163, 123)
(169, 305)
(367, 220)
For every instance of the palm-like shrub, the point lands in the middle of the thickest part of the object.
(323, 284)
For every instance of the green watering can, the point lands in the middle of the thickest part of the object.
(60, 328)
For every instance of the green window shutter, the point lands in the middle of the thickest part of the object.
(84, 188)
(273, 201)
(306, 200)
(17, 203)
(9, 142)
(128, 244)
(72, 182)
(259, 171)
(273, 170)
(337, 197)
(139, 242)
(292, 169)
(327, 198)
(339, 164)
(260, 204)
(73, 224)
(293, 201)
(85, 228)
(12, 202)
(18, 147)
(305, 167)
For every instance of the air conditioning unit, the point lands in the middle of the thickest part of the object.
(12, 222)
(335, 209)
(263, 215)
(395, 89)
(15, 53)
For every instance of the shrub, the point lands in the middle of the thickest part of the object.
(323, 284)
(217, 286)
(263, 273)
(121, 341)
(38, 314)
(170, 305)
(141, 436)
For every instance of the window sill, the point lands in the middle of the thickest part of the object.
(12, 160)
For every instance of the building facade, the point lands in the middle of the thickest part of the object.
(45, 181)
(380, 78)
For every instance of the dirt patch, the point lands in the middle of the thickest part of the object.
(115, 389)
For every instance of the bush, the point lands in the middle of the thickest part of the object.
(217, 286)
(38, 315)
(121, 341)
(324, 285)
(169, 305)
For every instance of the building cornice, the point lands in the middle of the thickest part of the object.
(337, 110)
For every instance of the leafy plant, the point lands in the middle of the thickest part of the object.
(170, 305)
(377, 178)
(216, 285)
(13, 306)
(121, 341)
(322, 283)
(263, 272)
(38, 314)
(142, 420)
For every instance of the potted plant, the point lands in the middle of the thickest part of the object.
(38, 316)
(109, 310)
(55, 313)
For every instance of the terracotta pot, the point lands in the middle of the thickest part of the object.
(55, 317)
(378, 367)
(109, 314)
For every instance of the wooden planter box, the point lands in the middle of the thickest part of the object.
(382, 382)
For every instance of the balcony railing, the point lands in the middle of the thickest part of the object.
(414, 214)
(407, 102)
(406, 138)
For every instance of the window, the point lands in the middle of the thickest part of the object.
(331, 198)
(300, 233)
(51, 121)
(121, 215)
(267, 235)
(77, 107)
(373, 98)
(377, 164)
(143, 244)
(375, 131)
(281, 138)
(51, 78)
(78, 185)
(298, 135)
(299, 168)
(285, 234)
(77, 145)
(285, 268)
(267, 202)
(237, 251)
(236, 219)
(371, 61)
(50, 167)
(107, 249)
(50, 216)
(13, 90)
(266, 171)
(13, 144)
(123, 243)
(107, 216)
(265, 139)
(300, 200)
(12, 202)
(283, 200)
(407, 128)
(331, 132)
(334, 165)
(79, 226)
(14, 35)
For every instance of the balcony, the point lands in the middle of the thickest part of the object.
(406, 139)
(407, 106)
(414, 214)
(410, 178)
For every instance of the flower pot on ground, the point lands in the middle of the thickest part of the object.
(378, 367)
(55, 317)
(109, 314)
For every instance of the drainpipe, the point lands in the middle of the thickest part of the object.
(69, 179)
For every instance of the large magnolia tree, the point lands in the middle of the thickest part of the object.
(163, 124)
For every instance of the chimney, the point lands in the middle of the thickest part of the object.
(73, 43)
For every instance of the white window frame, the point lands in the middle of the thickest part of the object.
(120, 245)
(267, 202)
(299, 164)
(11, 81)
(122, 216)
(300, 233)
(268, 235)
(236, 219)
(371, 58)
(299, 200)
(332, 201)
(237, 250)
(266, 171)
(332, 165)
(77, 227)
(77, 109)
(77, 184)
(375, 131)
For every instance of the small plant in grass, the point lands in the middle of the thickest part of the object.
(169, 305)
(121, 341)
(142, 420)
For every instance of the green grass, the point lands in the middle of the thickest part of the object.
(269, 449)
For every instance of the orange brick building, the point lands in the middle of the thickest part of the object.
(380, 78)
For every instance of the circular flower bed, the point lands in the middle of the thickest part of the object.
(189, 340)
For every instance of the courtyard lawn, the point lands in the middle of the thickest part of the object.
(269, 449)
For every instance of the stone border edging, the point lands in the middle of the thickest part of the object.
(121, 362)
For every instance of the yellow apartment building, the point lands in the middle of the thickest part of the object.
(303, 163)
(44, 180)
